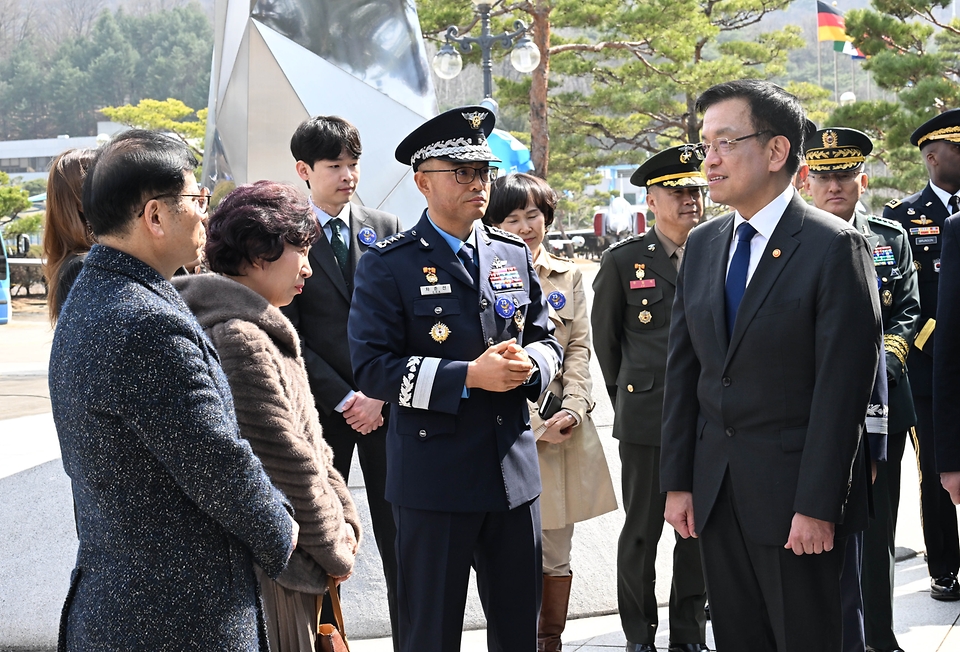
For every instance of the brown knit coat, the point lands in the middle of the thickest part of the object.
(260, 353)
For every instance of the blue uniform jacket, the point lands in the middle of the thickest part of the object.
(415, 323)
(172, 506)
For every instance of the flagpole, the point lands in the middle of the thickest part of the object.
(836, 83)
(819, 73)
(817, 41)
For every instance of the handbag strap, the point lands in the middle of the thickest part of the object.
(335, 601)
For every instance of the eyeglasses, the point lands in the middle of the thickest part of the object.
(840, 177)
(467, 175)
(723, 146)
(202, 200)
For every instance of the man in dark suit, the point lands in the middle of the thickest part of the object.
(172, 506)
(327, 151)
(946, 363)
(922, 215)
(449, 325)
(836, 181)
(633, 296)
(770, 368)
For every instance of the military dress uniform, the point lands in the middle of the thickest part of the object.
(922, 215)
(462, 469)
(633, 299)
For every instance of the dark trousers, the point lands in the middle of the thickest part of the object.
(879, 552)
(765, 598)
(938, 514)
(637, 556)
(436, 551)
(373, 461)
(851, 598)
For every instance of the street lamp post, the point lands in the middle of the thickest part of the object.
(525, 56)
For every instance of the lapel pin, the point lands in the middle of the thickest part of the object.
(367, 236)
(776, 253)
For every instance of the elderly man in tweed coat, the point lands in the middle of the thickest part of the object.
(173, 508)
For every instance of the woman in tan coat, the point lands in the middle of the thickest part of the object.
(576, 481)
(258, 240)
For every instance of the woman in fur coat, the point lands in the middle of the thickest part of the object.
(257, 243)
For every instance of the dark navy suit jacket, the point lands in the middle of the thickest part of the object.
(411, 345)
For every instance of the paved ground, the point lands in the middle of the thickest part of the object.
(922, 624)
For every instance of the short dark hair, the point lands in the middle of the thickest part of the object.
(324, 138)
(253, 222)
(513, 191)
(771, 109)
(129, 170)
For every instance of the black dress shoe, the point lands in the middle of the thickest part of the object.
(640, 647)
(873, 649)
(945, 588)
(688, 647)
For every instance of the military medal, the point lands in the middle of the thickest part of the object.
(887, 298)
(505, 278)
(367, 236)
(925, 230)
(431, 273)
(883, 256)
(639, 267)
(645, 317)
(557, 300)
(440, 332)
(504, 307)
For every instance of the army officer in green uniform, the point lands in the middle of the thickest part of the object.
(633, 298)
(836, 181)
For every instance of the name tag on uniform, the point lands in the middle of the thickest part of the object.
(443, 288)
(926, 241)
(645, 283)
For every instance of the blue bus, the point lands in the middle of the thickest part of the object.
(5, 305)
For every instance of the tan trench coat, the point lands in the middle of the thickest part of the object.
(576, 480)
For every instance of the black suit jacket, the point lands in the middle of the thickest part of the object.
(946, 361)
(320, 313)
(630, 329)
(781, 406)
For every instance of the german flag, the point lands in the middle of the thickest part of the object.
(830, 25)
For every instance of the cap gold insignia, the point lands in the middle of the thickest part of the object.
(829, 138)
(440, 332)
(887, 298)
(639, 267)
(686, 155)
(645, 317)
(776, 253)
(475, 119)
(431, 273)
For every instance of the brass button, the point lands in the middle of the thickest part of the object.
(490, 341)
(644, 302)
(438, 310)
(884, 279)
(483, 304)
(730, 432)
(629, 388)
(926, 248)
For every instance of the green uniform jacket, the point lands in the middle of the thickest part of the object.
(630, 329)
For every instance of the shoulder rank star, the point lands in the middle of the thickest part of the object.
(440, 332)
(639, 267)
(431, 274)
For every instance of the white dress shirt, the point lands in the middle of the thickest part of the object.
(764, 222)
(943, 195)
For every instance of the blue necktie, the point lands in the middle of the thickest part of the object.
(465, 254)
(737, 274)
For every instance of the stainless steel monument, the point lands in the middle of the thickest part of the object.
(278, 62)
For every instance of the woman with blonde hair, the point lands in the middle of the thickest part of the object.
(66, 236)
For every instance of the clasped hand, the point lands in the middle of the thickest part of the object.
(502, 367)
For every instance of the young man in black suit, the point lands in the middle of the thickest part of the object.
(327, 150)
(770, 368)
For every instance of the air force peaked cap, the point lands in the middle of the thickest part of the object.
(674, 167)
(458, 135)
(945, 126)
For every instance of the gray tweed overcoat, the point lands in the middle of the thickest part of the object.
(172, 506)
